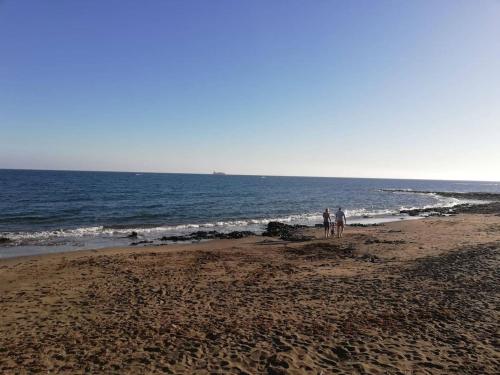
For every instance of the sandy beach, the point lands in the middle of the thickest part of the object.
(170, 172)
(412, 297)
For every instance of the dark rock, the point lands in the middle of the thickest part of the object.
(434, 211)
(202, 235)
(4, 240)
(140, 243)
(490, 206)
(275, 228)
(236, 234)
(175, 238)
(132, 235)
(199, 235)
(491, 203)
(286, 232)
(451, 194)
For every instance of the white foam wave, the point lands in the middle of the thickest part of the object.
(364, 212)
(440, 200)
(173, 229)
(255, 224)
(445, 202)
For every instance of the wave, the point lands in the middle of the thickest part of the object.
(441, 200)
(116, 231)
(256, 224)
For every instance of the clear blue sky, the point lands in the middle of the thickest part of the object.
(404, 89)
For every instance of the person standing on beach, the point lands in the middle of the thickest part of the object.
(340, 219)
(327, 221)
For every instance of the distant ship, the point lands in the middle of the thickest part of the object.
(218, 173)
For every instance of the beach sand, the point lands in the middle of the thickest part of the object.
(409, 297)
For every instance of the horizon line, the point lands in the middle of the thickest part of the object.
(249, 175)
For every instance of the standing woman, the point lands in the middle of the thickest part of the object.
(327, 221)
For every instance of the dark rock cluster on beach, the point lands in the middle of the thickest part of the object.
(4, 240)
(286, 232)
(274, 229)
(491, 205)
(434, 211)
(143, 242)
(483, 196)
(489, 208)
(210, 235)
(486, 208)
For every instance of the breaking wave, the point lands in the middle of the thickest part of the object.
(151, 231)
(256, 225)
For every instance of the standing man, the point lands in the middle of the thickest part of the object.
(327, 221)
(340, 220)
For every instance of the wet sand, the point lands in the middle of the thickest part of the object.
(413, 297)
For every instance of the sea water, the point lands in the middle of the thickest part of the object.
(51, 211)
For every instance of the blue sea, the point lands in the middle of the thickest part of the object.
(52, 211)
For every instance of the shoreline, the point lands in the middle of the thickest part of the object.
(488, 208)
(190, 238)
(261, 304)
(251, 237)
(491, 205)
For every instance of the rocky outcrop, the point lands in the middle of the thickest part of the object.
(4, 240)
(491, 203)
(485, 208)
(210, 235)
(286, 232)
(434, 211)
(452, 194)
(488, 208)
(140, 243)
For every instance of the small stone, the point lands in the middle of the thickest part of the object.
(133, 235)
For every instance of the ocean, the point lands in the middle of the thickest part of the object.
(53, 211)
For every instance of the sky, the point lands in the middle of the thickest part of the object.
(393, 89)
